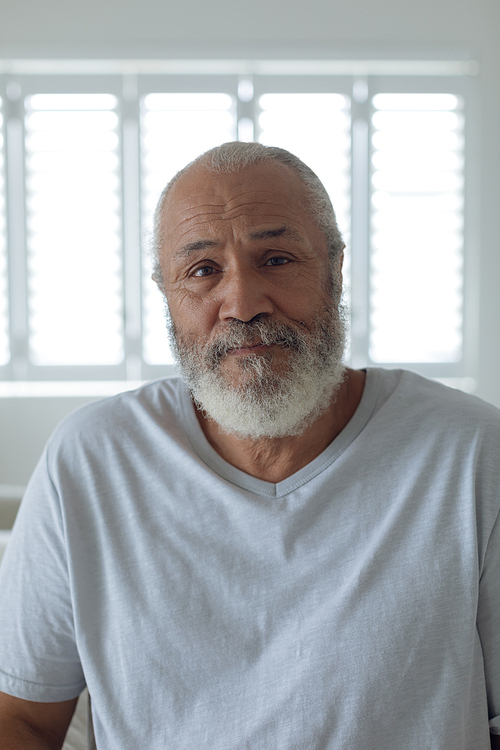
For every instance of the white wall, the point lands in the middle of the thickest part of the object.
(327, 28)
(151, 27)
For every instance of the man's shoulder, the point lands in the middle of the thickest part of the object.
(157, 402)
(438, 402)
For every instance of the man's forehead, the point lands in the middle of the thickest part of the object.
(199, 183)
(267, 194)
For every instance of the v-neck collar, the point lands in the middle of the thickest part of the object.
(268, 489)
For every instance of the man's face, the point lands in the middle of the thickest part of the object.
(249, 285)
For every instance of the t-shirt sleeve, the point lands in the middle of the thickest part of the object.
(38, 654)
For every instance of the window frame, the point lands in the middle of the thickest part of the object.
(129, 85)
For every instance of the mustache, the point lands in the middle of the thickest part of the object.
(241, 333)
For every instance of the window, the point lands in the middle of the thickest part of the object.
(73, 229)
(416, 248)
(83, 159)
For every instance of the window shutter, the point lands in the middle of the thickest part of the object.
(395, 161)
(416, 258)
(73, 218)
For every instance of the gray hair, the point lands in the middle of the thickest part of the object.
(235, 156)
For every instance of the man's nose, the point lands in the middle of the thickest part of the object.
(244, 296)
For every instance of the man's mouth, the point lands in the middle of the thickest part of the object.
(255, 348)
(259, 343)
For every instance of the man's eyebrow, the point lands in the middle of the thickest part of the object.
(285, 231)
(192, 247)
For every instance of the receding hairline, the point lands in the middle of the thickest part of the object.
(202, 164)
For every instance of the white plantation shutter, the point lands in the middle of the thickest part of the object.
(176, 128)
(4, 319)
(80, 175)
(73, 229)
(416, 259)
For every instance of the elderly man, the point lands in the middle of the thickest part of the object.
(273, 552)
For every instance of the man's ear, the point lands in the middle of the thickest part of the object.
(341, 260)
(157, 277)
(339, 263)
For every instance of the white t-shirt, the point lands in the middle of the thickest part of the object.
(355, 604)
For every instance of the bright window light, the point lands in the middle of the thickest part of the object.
(416, 266)
(73, 199)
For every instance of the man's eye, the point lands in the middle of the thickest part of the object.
(204, 271)
(277, 261)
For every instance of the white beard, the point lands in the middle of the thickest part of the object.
(265, 403)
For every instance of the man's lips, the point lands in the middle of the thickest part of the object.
(257, 348)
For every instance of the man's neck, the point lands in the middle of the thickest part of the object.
(275, 459)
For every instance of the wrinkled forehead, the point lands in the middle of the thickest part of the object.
(267, 192)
